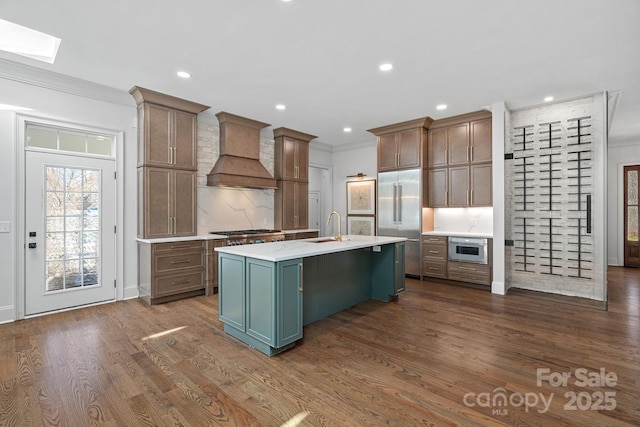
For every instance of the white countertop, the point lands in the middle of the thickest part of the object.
(306, 230)
(458, 234)
(182, 239)
(291, 249)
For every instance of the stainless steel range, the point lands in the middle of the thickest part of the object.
(249, 237)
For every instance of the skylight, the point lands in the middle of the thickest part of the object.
(26, 42)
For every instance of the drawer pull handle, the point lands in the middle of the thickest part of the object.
(433, 268)
(180, 247)
(467, 268)
(187, 261)
(180, 282)
(434, 252)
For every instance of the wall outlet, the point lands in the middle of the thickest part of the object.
(5, 227)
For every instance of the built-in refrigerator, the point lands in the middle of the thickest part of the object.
(400, 212)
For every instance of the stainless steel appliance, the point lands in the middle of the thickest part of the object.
(468, 249)
(249, 237)
(400, 212)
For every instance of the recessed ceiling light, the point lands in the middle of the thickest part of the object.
(441, 107)
(548, 99)
(386, 67)
(281, 107)
(183, 74)
(24, 41)
(347, 129)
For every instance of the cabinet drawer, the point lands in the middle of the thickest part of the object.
(434, 269)
(180, 261)
(469, 272)
(435, 240)
(176, 246)
(176, 284)
(438, 252)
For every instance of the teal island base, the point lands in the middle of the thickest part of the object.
(265, 304)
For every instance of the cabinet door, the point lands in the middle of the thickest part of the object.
(184, 140)
(437, 147)
(458, 144)
(184, 203)
(459, 186)
(480, 141)
(157, 135)
(302, 163)
(231, 272)
(481, 185)
(302, 202)
(289, 158)
(387, 159)
(260, 300)
(289, 299)
(408, 145)
(438, 179)
(399, 272)
(285, 205)
(157, 188)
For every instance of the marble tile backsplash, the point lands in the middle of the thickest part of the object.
(463, 220)
(222, 209)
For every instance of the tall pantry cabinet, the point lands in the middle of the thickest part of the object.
(167, 167)
(292, 177)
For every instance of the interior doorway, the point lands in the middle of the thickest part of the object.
(631, 216)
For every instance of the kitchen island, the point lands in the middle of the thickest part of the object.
(269, 291)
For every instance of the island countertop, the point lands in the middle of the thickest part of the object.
(292, 249)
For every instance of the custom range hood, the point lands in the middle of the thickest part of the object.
(239, 163)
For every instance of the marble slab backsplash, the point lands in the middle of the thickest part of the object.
(221, 209)
(463, 220)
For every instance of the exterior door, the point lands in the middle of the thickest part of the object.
(70, 231)
(631, 216)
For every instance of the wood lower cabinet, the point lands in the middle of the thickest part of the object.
(170, 271)
(211, 278)
(469, 272)
(434, 256)
(167, 202)
(291, 205)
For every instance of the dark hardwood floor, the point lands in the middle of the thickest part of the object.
(440, 355)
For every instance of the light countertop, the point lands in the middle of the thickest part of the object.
(291, 249)
(183, 239)
(306, 230)
(458, 234)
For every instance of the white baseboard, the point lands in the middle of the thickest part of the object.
(130, 293)
(614, 262)
(7, 314)
(498, 288)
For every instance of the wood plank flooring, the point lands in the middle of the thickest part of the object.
(439, 355)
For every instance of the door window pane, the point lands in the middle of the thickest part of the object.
(72, 141)
(42, 137)
(52, 138)
(632, 187)
(72, 228)
(632, 223)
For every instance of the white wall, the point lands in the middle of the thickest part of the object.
(72, 102)
(350, 161)
(619, 156)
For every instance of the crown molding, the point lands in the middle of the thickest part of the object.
(25, 74)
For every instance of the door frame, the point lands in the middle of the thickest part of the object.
(21, 121)
(620, 210)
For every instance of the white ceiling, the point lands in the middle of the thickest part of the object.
(321, 57)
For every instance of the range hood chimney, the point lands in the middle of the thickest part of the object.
(239, 163)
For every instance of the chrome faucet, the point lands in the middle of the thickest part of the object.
(339, 236)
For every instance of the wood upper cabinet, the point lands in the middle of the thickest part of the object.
(291, 205)
(169, 137)
(291, 154)
(167, 202)
(459, 155)
(458, 144)
(400, 146)
(167, 164)
(292, 160)
(480, 141)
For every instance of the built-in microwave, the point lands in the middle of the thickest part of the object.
(468, 249)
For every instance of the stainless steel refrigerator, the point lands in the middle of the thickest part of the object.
(400, 212)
